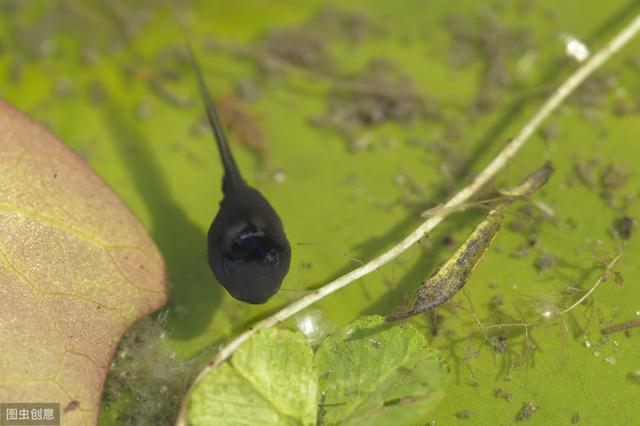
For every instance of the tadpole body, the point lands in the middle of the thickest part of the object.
(248, 251)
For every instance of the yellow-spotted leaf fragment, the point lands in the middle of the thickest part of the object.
(76, 269)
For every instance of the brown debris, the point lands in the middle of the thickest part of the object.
(296, 46)
(526, 411)
(464, 414)
(624, 227)
(243, 123)
(502, 394)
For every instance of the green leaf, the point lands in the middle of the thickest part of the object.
(271, 379)
(375, 373)
(369, 372)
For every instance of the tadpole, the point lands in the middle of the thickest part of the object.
(248, 251)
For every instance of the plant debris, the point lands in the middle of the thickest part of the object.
(306, 46)
(634, 377)
(621, 326)
(526, 411)
(483, 37)
(454, 273)
(243, 122)
(464, 414)
(499, 343)
(350, 112)
(624, 226)
(297, 46)
(499, 393)
(343, 25)
(545, 261)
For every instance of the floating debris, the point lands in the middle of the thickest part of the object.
(296, 46)
(454, 273)
(247, 90)
(343, 25)
(531, 184)
(545, 261)
(585, 172)
(624, 226)
(576, 418)
(160, 88)
(621, 326)
(483, 37)
(351, 111)
(634, 376)
(496, 301)
(526, 411)
(464, 414)
(244, 124)
(499, 393)
(499, 344)
(614, 176)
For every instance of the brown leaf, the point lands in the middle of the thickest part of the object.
(244, 123)
(76, 269)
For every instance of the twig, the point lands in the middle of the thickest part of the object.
(483, 177)
(621, 326)
(602, 278)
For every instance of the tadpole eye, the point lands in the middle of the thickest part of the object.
(251, 246)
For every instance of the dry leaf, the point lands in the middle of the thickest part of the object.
(76, 269)
(453, 274)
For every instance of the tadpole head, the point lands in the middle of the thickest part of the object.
(248, 251)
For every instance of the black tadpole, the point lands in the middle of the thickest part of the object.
(248, 250)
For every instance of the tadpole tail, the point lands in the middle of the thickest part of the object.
(232, 175)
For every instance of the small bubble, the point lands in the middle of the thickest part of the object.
(610, 360)
(587, 344)
(574, 48)
(596, 353)
(279, 176)
(314, 324)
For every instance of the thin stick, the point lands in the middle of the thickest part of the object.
(620, 327)
(602, 278)
(483, 177)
